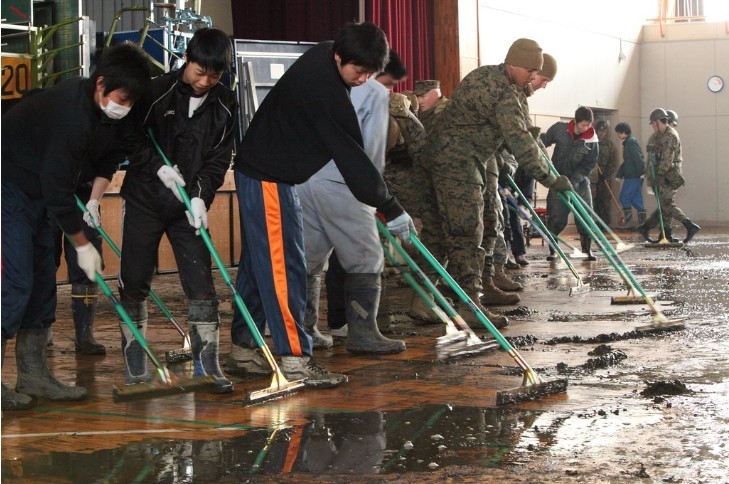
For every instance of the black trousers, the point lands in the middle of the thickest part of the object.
(141, 236)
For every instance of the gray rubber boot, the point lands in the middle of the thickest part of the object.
(83, 304)
(205, 341)
(627, 218)
(362, 298)
(135, 358)
(34, 377)
(586, 244)
(13, 400)
(204, 328)
(311, 316)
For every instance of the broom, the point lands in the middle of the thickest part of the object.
(532, 386)
(168, 384)
(473, 343)
(280, 386)
(581, 287)
(173, 356)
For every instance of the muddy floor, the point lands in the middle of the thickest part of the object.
(639, 407)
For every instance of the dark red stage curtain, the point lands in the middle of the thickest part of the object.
(291, 20)
(409, 28)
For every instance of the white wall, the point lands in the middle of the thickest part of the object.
(670, 71)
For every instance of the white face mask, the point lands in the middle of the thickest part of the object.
(114, 110)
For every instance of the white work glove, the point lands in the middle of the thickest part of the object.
(92, 216)
(401, 226)
(89, 260)
(199, 216)
(171, 177)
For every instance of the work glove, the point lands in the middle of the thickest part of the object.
(199, 216)
(171, 177)
(89, 260)
(401, 226)
(92, 216)
(562, 184)
(399, 105)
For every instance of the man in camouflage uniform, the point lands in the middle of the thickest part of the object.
(483, 116)
(607, 163)
(431, 102)
(665, 159)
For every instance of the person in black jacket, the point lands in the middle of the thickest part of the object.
(631, 171)
(47, 139)
(192, 116)
(306, 120)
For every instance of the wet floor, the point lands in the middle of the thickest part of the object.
(639, 406)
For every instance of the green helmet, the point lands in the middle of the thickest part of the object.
(600, 125)
(658, 113)
(672, 116)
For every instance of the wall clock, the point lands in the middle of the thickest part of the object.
(715, 84)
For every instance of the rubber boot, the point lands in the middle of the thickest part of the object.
(362, 298)
(503, 282)
(421, 312)
(34, 376)
(641, 216)
(493, 296)
(669, 235)
(311, 316)
(135, 358)
(691, 230)
(586, 243)
(552, 254)
(83, 304)
(205, 342)
(644, 230)
(12, 400)
(627, 218)
(498, 320)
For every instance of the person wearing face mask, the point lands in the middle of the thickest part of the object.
(192, 116)
(483, 116)
(47, 140)
(575, 155)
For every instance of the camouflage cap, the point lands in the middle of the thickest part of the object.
(422, 87)
(549, 67)
(525, 53)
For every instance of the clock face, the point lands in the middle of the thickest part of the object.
(715, 84)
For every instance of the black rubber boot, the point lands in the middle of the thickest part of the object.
(362, 297)
(669, 235)
(586, 243)
(34, 377)
(644, 231)
(311, 316)
(83, 304)
(641, 216)
(691, 230)
(552, 254)
(135, 358)
(13, 400)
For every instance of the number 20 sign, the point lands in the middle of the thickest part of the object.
(15, 77)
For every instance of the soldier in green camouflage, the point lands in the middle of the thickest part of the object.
(607, 164)
(664, 160)
(483, 116)
(431, 102)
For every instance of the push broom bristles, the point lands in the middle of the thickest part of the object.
(143, 391)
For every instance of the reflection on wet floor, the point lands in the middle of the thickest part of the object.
(414, 440)
(420, 416)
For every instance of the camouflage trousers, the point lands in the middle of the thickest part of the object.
(493, 240)
(405, 181)
(453, 228)
(669, 209)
